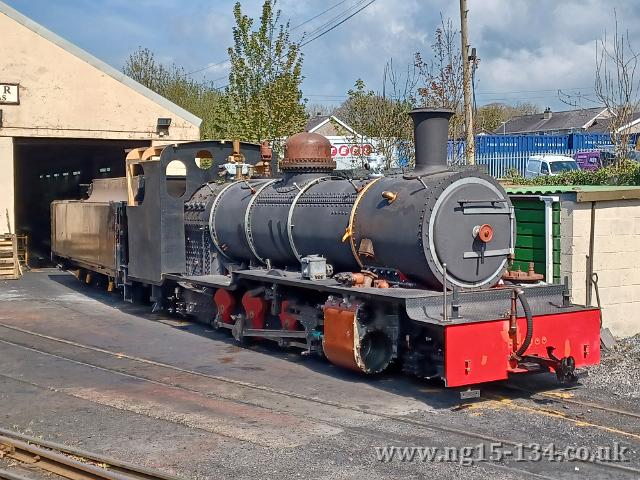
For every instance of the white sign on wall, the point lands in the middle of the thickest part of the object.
(9, 94)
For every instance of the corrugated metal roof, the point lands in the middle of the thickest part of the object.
(584, 193)
(99, 64)
(540, 189)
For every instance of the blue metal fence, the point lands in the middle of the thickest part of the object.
(499, 163)
(503, 152)
(491, 144)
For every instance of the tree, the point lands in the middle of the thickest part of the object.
(318, 109)
(263, 98)
(199, 98)
(382, 117)
(616, 86)
(439, 84)
(441, 77)
(492, 116)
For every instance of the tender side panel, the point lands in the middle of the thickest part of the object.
(480, 352)
(85, 232)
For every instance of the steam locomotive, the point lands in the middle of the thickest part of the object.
(403, 269)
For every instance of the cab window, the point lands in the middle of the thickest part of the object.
(544, 168)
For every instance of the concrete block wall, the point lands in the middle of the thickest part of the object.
(616, 258)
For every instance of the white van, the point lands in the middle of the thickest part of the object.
(549, 165)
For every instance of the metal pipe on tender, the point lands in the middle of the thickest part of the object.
(431, 133)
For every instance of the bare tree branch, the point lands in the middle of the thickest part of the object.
(616, 86)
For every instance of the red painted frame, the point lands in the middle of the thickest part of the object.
(480, 352)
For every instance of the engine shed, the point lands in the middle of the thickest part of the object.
(66, 118)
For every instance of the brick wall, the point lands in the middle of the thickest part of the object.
(616, 259)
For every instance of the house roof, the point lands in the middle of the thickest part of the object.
(565, 120)
(97, 63)
(601, 125)
(314, 123)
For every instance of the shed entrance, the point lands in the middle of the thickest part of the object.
(56, 169)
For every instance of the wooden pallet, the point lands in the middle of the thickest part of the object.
(9, 266)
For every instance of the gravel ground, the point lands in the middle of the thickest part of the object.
(81, 367)
(618, 372)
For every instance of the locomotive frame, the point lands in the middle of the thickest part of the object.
(367, 314)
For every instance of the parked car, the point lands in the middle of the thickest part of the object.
(549, 165)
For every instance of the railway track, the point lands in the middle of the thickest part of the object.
(432, 426)
(67, 462)
(562, 398)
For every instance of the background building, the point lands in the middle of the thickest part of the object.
(554, 123)
(348, 147)
(65, 118)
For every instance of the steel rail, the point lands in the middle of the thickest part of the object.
(7, 475)
(550, 397)
(63, 460)
(409, 421)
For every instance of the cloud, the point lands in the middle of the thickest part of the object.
(528, 49)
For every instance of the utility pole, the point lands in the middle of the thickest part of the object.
(470, 148)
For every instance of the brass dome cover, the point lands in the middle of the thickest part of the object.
(307, 152)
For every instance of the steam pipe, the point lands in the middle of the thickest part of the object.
(431, 132)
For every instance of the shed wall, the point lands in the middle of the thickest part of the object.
(61, 95)
(615, 259)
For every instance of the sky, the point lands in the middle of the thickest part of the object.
(528, 49)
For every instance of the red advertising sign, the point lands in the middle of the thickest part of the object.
(351, 150)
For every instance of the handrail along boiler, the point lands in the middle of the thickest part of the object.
(403, 268)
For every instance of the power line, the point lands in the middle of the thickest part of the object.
(206, 67)
(330, 29)
(333, 19)
(318, 15)
(326, 96)
(337, 24)
(536, 91)
(211, 65)
(523, 99)
(481, 93)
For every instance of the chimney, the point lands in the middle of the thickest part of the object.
(431, 133)
(548, 113)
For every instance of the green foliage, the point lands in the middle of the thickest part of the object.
(315, 109)
(491, 116)
(441, 77)
(264, 99)
(199, 98)
(379, 117)
(625, 172)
